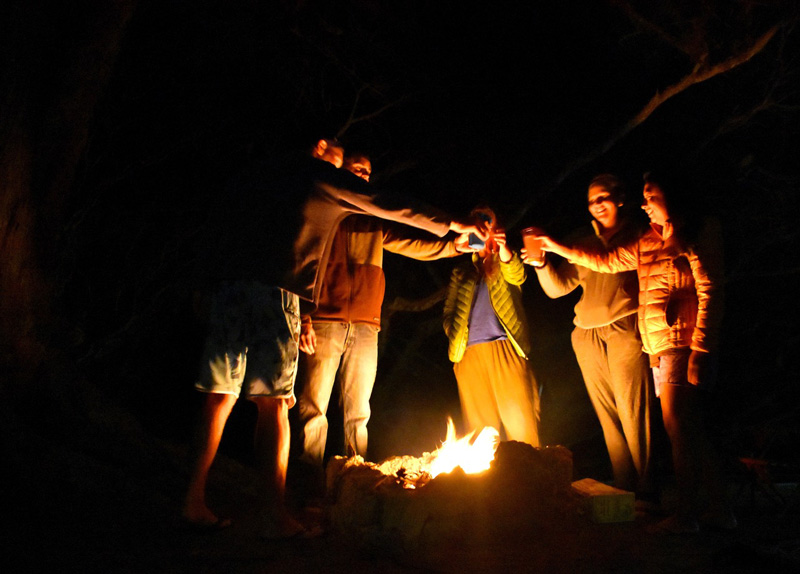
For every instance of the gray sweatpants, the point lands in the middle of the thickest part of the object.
(618, 379)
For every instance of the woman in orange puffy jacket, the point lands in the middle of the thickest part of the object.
(679, 265)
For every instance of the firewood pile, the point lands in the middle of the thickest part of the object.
(397, 506)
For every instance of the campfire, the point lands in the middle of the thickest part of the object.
(472, 456)
(410, 505)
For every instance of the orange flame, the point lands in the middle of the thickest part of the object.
(473, 456)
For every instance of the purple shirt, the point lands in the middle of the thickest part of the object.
(483, 323)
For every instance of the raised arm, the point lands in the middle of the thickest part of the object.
(560, 281)
(345, 188)
(423, 249)
(623, 258)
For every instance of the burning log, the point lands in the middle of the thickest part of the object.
(398, 506)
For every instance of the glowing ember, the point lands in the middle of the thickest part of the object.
(472, 456)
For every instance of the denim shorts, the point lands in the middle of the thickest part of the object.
(251, 348)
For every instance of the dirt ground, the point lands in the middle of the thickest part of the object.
(99, 503)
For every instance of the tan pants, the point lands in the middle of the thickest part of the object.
(498, 389)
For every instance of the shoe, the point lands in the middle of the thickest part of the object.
(675, 525)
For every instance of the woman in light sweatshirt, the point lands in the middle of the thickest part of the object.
(606, 339)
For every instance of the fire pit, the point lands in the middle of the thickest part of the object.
(407, 507)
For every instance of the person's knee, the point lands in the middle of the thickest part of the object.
(272, 406)
(680, 426)
(220, 401)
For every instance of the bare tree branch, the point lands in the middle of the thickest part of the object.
(353, 119)
(772, 100)
(648, 25)
(415, 305)
(401, 304)
(701, 72)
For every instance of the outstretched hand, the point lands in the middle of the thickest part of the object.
(472, 225)
(549, 245)
(462, 245)
(545, 245)
(528, 260)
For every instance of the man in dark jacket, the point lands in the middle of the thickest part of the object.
(271, 248)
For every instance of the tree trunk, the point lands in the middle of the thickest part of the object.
(58, 58)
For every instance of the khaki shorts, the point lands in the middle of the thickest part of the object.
(251, 348)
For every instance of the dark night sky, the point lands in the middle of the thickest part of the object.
(490, 102)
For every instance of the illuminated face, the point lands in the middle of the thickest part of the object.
(359, 165)
(654, 204)
(603, 207)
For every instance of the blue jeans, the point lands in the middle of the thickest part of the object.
(351, 349)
